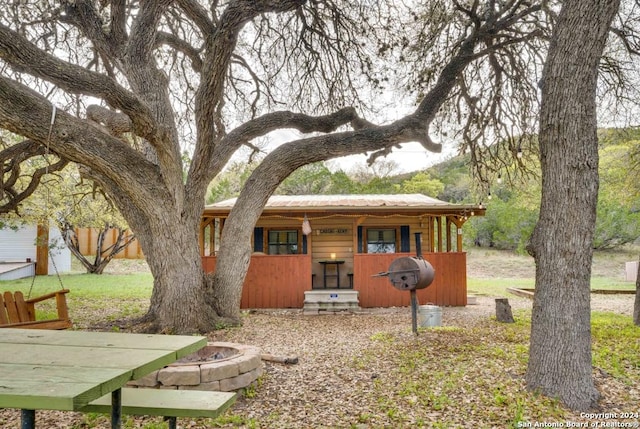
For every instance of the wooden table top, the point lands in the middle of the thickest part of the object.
(65, 370)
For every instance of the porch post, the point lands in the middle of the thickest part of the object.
(203, 227)
(458, 222)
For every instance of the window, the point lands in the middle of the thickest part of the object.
(381, 240)
(283, 242)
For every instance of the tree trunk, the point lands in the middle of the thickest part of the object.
(560, 349)
(235, 249)
(636, 305)
(178, 304)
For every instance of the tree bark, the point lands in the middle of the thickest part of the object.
(636, 304)
(178, 304)
(560, 349)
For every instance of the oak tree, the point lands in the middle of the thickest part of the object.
(136, 83)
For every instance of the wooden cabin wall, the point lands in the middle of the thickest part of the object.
(338, 235)
(272, 281)
(415, 225)
(331, 235)
(449, 287)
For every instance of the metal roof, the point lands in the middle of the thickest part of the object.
(348, 202)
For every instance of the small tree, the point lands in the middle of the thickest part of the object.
(310, 179)
(102, 255)
(422, 183)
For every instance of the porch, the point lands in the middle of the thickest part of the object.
(280, 281)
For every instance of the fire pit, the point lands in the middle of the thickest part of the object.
(218, 366)
(212, 352)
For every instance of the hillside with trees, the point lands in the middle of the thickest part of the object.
(512, 198)
(513, 207)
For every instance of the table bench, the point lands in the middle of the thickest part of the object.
(67, 370)
(170, 404)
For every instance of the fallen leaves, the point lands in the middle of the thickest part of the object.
(370, 371)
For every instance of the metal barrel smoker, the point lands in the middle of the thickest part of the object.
(411, 273)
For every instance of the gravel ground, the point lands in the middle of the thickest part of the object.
(314, 392)
(323, 389)
(330, 386)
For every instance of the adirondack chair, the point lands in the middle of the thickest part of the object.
(16, 312)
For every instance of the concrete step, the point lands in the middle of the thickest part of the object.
(330, 300)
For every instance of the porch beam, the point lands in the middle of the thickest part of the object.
(458, 221)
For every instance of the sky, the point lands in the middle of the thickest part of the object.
(411, 157)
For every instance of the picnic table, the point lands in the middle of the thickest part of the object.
(65, 370)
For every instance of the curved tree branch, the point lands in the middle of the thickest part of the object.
(198, 15)
(304, 123)
(181, 46)
(25, 56)
(27, 113)
(12, 192)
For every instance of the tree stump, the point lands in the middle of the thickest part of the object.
(503, 311)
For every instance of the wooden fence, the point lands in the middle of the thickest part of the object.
(88, 243)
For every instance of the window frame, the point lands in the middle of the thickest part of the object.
(381, 228)
(267, 242)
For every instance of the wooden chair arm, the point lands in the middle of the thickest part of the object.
(47, 296)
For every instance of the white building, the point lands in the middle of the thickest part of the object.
(18, 252)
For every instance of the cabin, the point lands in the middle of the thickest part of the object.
(328, 251)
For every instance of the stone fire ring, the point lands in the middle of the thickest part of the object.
(238, 367)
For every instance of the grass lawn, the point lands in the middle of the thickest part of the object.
(91, 298)
(490, 272)
(475, 377)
